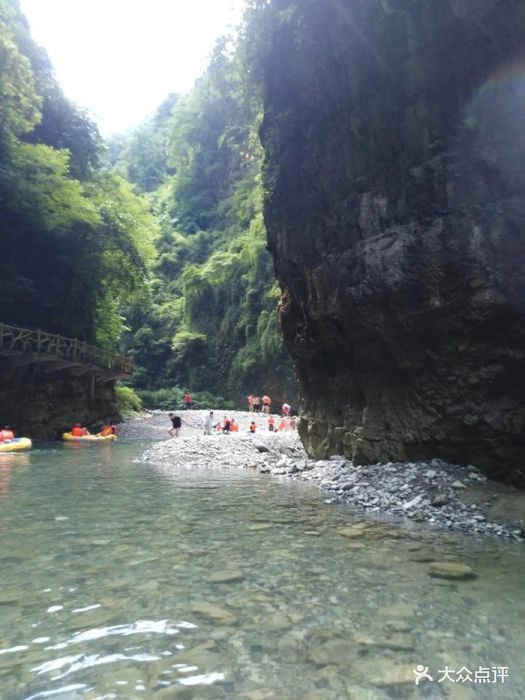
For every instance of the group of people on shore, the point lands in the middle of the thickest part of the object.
(283, 424)
(257, 404)
(209, 425)
(226, 425)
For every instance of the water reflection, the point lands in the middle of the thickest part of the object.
(8, 462)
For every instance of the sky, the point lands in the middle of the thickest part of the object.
(121, 58)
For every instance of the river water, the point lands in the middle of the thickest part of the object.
(125, 580)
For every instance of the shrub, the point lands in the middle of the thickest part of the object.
(128, 401)
(172, 399)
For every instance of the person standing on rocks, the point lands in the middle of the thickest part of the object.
(267, 402)
(208, 423)
(176, 424)
(256, 404)
(188, 401)
(250, 403)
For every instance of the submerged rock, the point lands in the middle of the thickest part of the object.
(455, 571)
(213, 612)
(393, 676)
(226, 576)
(355, 531)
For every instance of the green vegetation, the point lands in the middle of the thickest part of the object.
(209, 322)
(75, 240)
(172, 398)
(127, 400)
(159, 250)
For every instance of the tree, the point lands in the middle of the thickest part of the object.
(74, 241)
(211, 323)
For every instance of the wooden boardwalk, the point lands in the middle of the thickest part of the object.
(34, 346)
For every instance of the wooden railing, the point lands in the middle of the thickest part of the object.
(15, 341)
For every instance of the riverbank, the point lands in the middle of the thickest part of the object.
(433, 493)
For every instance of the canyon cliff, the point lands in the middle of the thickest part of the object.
(395, 207)
(42, 404)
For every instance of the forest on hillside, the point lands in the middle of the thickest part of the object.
(76, 239)
(153, 244)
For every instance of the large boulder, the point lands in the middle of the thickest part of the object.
(395, 207)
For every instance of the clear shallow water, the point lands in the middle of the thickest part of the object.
(124, 580)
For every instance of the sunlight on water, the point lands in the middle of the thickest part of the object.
(120, 580)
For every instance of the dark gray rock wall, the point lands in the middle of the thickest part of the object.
(395, 204)
(42, 404)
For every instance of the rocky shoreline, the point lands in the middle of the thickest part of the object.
(432, 493)
(425, 492)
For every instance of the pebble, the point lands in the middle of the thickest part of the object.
(458, 485)
(454, 571)
(426, 492)
(394, 677)
(260, 526)
(226, 576)
(213, 612)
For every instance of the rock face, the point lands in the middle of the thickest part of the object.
(42, 404)
(395, 206)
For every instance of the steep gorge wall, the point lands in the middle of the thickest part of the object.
(42, 404)
(395, 204)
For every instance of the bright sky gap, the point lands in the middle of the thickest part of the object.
(121, 59)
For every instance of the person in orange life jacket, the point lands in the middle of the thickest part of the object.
(282, 425)
(108, 429)
(253, 427)
(6, 435)
(271, 423)
(234, 426)
(226, 425)
(79, 431)
(266, 402)
(188, 401)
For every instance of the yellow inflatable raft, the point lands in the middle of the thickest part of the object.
(88, 438)
(16, 445)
